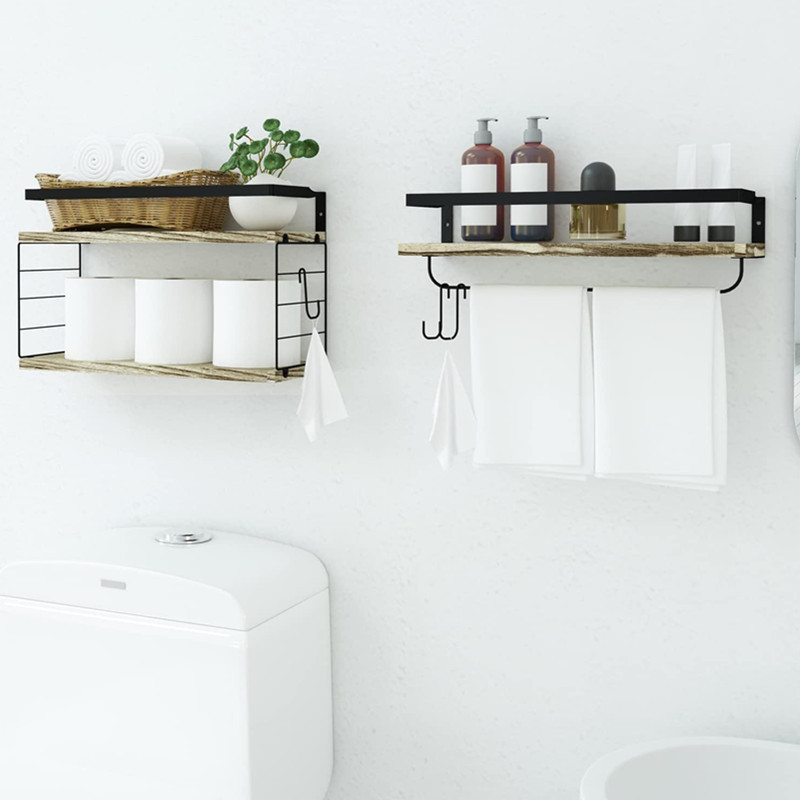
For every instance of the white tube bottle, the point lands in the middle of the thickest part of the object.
(687, 215)
(721, 216)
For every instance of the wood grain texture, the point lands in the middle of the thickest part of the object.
(58, 363)
(602, 249)
(153, 236)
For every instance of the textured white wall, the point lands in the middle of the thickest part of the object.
(494, 632)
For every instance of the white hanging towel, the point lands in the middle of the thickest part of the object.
(147, 156)
(320, 401)
(660, 392)
(531, 378)
(453, 430)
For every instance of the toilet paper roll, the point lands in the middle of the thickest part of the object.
(244, 323)
(99, 317)
(173, 321)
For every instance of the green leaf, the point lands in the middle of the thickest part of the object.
(256, 147)
(230, 144)
(248, 167)
(311, 149)
(229, 164)
(243, 148)
(274, 161)
(276, 136)
(297, 149)
(291, 136)
(271, 124)
(241, 132)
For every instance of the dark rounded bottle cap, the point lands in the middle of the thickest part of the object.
(598, 176)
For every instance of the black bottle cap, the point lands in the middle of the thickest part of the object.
(598, 176)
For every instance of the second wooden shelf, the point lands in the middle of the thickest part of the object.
(601, 249)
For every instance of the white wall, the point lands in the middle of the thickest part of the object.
(493, 632)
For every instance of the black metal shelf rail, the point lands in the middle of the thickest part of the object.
(246, 190)
(446, 202)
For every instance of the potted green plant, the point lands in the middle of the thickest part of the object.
(264, 161)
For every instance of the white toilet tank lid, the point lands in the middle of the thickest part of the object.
(232, 581)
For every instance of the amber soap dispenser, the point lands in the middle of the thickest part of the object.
(532, 170)
(597, 221)
(482, 170)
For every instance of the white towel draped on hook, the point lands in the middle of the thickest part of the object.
(320, 401)
(661, 409)
(453, 430)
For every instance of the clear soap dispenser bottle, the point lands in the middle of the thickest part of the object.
(532, 170)
(482, 170)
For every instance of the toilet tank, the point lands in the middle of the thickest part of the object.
(134, 669)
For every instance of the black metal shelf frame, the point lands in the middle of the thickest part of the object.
(245, 190)
(190, 191)
(447, 201)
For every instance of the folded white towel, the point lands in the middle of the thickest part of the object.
(660, 397)
(95, 158)
(453, 430)
(531, 378)
(146, 156)
(320, 400)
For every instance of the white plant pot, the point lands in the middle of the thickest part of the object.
(264, 213)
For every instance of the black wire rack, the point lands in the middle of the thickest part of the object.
(314, 307)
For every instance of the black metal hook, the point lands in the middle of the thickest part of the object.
(446, 289)
(303, 278)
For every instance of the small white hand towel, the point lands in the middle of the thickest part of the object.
(147, 156)
(95, 158)
(320, 401)
(660, 392)
(531, 378)
(453, 430)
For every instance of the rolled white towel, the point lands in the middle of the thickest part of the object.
(95, 158)
(147, 156)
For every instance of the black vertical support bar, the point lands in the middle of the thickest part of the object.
(277, 305)
(320, 212)
(325, 287)
(447, 223)
(19, 299)
(759, 221)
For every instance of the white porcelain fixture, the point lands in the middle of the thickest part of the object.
(185, 670)
(264, 213)
(697, 768)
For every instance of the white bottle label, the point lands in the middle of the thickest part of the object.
(529, 178)
(479, 178)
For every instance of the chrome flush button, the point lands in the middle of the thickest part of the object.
(176, 537)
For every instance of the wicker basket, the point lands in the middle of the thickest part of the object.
(169, 213)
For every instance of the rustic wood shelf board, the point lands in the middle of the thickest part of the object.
(152, 236)
(604, 249)
(58, 363)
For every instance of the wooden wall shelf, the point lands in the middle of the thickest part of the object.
(152, 236)
(57, 363)
(601, 249)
